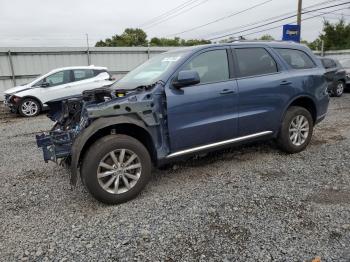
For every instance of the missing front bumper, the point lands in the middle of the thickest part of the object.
(55, 145)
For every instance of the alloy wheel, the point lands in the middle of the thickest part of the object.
(299, 130)
(340, 88)
(119, 171)
(29, 108)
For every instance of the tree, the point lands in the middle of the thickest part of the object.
(267, 37)
(137, 37)
(335, 36)
(130, 37)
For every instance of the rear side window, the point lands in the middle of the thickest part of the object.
(212, 66)
(255, 61)
(81, 74)
(295, 58)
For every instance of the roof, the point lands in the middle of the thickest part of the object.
(275, 44)
(79, 67)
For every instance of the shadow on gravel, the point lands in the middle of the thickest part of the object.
(330, 197)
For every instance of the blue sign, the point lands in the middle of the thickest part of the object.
(291, 33)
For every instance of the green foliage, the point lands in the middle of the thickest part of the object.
(137, 37)
(267, 37)
(335, 36)
(155, 41)
(130, 37)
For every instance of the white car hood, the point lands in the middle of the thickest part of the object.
(17, 89)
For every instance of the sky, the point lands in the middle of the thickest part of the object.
(29, 23)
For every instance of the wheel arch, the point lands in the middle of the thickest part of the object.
(303, 101)
(35, 98)
(106, 126)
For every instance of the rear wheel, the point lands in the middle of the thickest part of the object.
(296, 130)
(29, 107)
(116, 168)
(339, 89)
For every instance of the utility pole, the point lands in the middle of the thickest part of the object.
(88, 48)
(300, 7)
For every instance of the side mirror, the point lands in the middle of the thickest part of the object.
(44, 84)
(186, 78)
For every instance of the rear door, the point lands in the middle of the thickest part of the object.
(204, 113)
(264, 89)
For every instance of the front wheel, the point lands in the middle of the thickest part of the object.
(296, 130)
(29, 107)
(116, 168)
(339, 89)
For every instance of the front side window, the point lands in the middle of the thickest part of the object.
(58, 78)
(82, 74)
(212, 66)
(254, 62)
(295, 58)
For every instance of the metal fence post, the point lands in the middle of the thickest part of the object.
(12, 69)
(148, 52)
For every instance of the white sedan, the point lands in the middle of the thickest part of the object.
(29, 99)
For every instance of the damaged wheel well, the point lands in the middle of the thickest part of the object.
(126, 129)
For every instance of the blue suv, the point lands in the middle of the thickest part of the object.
(182, 103)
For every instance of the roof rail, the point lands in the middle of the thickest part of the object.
(242, 40)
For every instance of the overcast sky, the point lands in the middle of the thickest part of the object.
(65, 22)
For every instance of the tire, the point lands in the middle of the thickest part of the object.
(338, 89)
(105, 188)
(287, 139)
(29, 107)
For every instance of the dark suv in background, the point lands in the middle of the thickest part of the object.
(186, 102)
(335, 75)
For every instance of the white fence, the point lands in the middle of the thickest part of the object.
(21, 65)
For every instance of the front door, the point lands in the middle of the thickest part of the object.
(204, 113)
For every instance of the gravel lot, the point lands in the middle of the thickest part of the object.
(252, 203)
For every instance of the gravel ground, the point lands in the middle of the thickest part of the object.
(251, 203)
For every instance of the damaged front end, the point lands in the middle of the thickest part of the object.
(79, 118)
(70, 119)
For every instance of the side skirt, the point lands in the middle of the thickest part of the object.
(218, 144)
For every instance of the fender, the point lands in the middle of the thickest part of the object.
(92, 129)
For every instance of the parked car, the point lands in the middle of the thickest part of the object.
(336, 76)
(187, 102)
(346, 65)
(30, 99)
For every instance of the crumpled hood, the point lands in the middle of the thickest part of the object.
(17, 89)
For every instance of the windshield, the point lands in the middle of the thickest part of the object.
(345, 63)
(149, 72)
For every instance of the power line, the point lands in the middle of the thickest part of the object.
(221, 18)
(279, 26)
(276, 21)
(177, 8)
(175, 15)
(269, 19)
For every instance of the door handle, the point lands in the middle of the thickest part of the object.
(67, 87)
(285, 83)
(226, 91)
